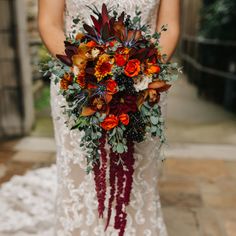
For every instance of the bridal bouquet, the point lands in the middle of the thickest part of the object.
(112, 76)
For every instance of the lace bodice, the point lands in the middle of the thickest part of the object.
(79, 8)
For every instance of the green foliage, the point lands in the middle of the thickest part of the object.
(218, 20)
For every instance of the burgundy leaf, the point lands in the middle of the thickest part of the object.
(105, 33)
(105, 15)
(121, 17)
(89, 29)
(96, 24)
(64, 59)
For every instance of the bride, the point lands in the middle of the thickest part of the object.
(76, 209)
(76, 204)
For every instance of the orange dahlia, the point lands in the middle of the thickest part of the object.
(66, 81)
(103, 67)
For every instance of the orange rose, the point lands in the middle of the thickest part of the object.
(132, 68)
(124, 118)
(110, 122)
(111, 86)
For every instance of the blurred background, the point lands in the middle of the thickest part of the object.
(198, 181)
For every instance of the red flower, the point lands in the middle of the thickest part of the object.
(110, 122)
(132, 68)
(91, 44)
(111, 86)
(124, 118)
(121, 59)
(123, 103)
(81, 79)
(66, 81)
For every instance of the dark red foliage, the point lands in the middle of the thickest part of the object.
(70, 51)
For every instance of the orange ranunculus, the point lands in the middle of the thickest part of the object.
(91, 44)
(121, 59)
(132, 68)
(103, 67)
(66, 81)
(111, 86)
(110, 122)
(124, 118)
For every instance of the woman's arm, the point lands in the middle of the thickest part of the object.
(169, 14)
(51, 24)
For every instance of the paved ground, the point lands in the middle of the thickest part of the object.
(197, 183)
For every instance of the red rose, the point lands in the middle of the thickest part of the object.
(124, 118)
(110, 122)
(132, 68)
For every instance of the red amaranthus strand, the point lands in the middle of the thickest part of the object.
(129, 163)
(121, 179)
(112, 181)
(100, 175)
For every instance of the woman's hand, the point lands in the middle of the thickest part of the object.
(51, 24)
(169, 14)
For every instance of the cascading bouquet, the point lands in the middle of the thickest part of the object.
(112, 76)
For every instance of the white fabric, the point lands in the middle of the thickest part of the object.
(28, 201)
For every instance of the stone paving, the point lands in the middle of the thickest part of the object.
(198, 180)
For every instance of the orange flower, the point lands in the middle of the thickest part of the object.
(103, 67)
(66, 81)
(152, 69)
(110, 122)
(132, 68)
(124, 118)
(81, 79)
(91, 44)
(121, 59)
(111, 86)
(122, 56)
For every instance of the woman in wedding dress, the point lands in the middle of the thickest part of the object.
(76, 203)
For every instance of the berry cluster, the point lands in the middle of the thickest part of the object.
(136, 129)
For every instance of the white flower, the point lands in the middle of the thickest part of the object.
(76, 70)
(142, 83)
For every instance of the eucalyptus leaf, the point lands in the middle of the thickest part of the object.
(120, 148)
(154, 120)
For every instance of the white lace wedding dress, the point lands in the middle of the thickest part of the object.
(28, 202)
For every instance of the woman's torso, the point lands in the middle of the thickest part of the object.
(75, 8)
